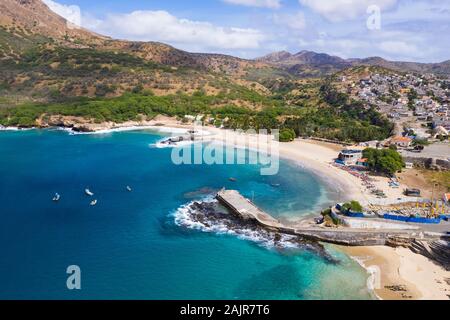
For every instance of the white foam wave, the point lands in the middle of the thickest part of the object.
(2, 128)
(185, 217)
(129, 128)
(161, 145)
(373, 276)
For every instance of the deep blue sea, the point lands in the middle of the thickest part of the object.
(128, 246)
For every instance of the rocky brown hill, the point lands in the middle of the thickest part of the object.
(44, 58)
(33, 17)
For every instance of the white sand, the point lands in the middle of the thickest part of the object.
(429, 278)
(315, 156)
(318, 157)
(421, 277)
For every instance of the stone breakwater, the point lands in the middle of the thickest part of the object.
(243, 209)
(209, 216)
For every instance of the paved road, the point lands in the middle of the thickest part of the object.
(435, 150)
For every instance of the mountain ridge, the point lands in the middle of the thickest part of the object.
(53, 75)
(34, 17)
(325, 62)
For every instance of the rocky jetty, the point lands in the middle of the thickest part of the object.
(210, 216)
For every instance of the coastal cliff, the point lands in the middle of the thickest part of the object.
(80, 124)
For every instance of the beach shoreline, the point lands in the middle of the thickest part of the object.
(399, 267)
(315, 156)
(318, 158)
(404, 274)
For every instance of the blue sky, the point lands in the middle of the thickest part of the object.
(412, 30)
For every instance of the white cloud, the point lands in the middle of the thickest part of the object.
(437, 11)
(295, 21)
(164, 27)
(338, 10)
(71, 13)
(272, 4)
(414, 30)
(399, 47)
(391, 45)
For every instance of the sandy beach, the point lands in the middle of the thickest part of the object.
(403, 274)
(316, 156)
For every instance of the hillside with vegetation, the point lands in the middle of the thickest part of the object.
(78, 74)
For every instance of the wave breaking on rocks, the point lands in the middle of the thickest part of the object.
(209, 216)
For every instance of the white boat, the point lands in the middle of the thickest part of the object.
(88, 192)
(275, 185)
(93, 203)
(129, 188)
(56, 197)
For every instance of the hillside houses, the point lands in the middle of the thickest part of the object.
(418, 102)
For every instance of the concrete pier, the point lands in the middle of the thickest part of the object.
(247, 211)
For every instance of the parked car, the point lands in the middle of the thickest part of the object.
(412, 192)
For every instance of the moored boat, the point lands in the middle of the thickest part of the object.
(275, 185)
(88, 192)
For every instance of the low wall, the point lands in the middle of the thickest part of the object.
(356, 223)
(350, 238)
(429, 162)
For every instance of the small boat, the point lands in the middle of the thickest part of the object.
(129, 188)
(88, 192)
(275, 185)
(233, 179)
(93, 203)
(56, 197)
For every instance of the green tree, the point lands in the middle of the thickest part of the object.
(287, 135)
(354, 206)
(386, 160)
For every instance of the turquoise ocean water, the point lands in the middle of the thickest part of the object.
(129, 246)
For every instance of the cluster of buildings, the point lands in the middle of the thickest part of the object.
(419, 103)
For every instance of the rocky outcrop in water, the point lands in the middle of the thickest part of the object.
(209, 216)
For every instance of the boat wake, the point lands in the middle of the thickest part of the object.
(161, 145)
(191, 137)
(208, 216)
